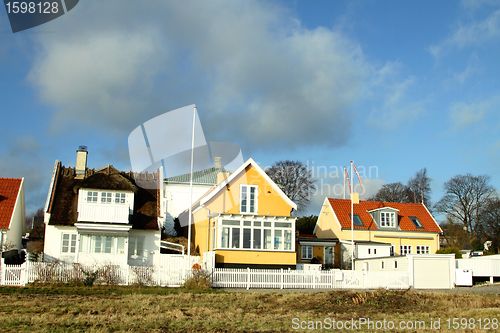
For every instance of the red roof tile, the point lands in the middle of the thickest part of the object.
(9, 189)
(342, 208)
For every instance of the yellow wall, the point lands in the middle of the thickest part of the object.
(318, 251)
(269, 202)
(328, 227)
(255, 257)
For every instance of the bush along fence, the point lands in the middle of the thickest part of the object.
(41, 272)
(29, 272)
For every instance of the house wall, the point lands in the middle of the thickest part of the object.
(17, 226)
(375, 251)
(318, 251)
(375, 264)
(329, 227)
(269, 202)
(53, 243)
(151, 247)
(105, 212)
(53, 246)
(255, 257)
(178, 197)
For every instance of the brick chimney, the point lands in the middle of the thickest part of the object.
(81, 162)
(217, 163)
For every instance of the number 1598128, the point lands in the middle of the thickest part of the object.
(16, 7)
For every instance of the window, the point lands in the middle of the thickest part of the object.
(248, 199)
(136, 247)
(68, 243)
(357, 221)
(101, 244)
(369, 251)
(382, 265)
(393, 250)
(405, 249)
(387, 219)
(106, 197)
(119, 197)
(422, 249)
(239, 233)
(307, 252)
(91, 196)
(416, 222)
(395, 264)
(374, 251)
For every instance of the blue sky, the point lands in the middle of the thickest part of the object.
(392, 85)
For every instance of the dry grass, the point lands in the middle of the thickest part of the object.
(126, 309)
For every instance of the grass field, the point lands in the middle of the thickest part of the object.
(148, 309)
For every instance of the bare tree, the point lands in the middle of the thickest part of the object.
(294, 180)
(419, 188)
(464, 200)
(392, 192)
(490, 222)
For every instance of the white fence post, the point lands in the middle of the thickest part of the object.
(282, 278)
(248, 278)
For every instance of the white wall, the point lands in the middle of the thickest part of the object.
(151, 255)
(53, 243)
(17, 227)
(375, 264)
(178, 196)
(375, 251)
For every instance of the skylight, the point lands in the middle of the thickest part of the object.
(357, 221)
(416, 222)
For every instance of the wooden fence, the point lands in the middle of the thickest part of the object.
(285, 279)
(29, 272)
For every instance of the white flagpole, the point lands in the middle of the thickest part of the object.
(352, 223)
(191, 193)
(344, 180)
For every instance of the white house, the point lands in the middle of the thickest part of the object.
(102, 216)
(12, 214)
(177, 190)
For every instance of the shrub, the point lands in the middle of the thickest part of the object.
(200, 280)
(143, 275)
(450, 250)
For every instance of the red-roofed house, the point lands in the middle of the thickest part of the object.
(380, 228)
(12, 213)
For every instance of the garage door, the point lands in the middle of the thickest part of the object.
(431, 273)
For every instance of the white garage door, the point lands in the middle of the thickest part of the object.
(431, 273)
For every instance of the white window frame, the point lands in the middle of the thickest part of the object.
(405, 249)
(284, 242)
(71, 246)
(388, 219)
(246, 190)
(93, 196)
(423, 249)
(134, 251)
(306, 252)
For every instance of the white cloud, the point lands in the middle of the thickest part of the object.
(463, 115)
(258, 77)
(474, 32)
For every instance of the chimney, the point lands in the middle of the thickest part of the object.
(81, 162)
(217, 163)
(355, 198)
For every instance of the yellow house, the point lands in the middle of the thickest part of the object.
(245, 221)
(380, 228)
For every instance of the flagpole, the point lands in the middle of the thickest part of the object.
(191, 192)
(344, 180)
(352, 223)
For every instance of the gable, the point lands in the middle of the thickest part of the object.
(9, 191)
(226, 196)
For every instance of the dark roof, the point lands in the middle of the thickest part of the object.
(206, 176)
(64, 196)
(9, 189)
(342, 208)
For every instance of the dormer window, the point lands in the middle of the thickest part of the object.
(92, 196)
(416, 222)
(106, 197)
(388, 219)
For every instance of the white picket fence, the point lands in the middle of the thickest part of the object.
(285, 279)
(29, 272)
